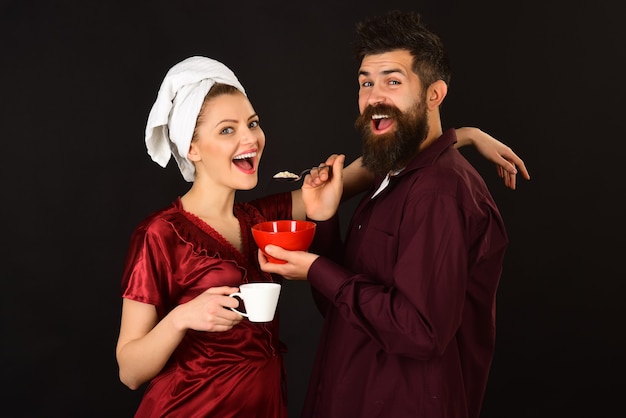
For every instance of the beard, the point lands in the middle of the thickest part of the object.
(392, 151)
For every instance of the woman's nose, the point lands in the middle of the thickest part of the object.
(249, 137)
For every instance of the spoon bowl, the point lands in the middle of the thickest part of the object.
(287, 176)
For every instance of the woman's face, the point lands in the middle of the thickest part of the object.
(229, 142)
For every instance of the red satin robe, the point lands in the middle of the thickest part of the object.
(173, 256)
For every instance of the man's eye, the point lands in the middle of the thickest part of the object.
(394, 82)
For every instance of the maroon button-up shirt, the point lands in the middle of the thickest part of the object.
(409, 302)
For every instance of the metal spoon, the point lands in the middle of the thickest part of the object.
(289, 176)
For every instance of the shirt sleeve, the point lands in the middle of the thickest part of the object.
(327, 242)
(145, 263)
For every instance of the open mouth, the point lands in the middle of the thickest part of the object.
(245, 161)
(381, 122)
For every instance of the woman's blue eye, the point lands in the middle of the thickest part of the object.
(226, 131)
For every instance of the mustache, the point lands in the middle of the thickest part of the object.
(381, 109)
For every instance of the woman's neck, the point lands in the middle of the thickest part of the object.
(211, 203)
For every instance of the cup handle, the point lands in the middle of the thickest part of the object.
(238, 295)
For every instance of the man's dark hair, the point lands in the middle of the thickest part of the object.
(404, 30)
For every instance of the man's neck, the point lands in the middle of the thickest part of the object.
(434, 132)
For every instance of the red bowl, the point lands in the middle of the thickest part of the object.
(288, 234)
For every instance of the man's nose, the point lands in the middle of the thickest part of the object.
(376, 97)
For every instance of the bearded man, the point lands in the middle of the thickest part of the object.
(409, 300)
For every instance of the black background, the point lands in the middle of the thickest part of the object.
(78, 80)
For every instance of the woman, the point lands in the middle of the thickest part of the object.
(184, 260)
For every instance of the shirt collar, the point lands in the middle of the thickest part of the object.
(423, 159)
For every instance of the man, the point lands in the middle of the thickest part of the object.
(409, 302)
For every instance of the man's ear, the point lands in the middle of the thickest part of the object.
(193, 154)
(436, 93)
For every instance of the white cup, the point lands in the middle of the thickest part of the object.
(260, 300)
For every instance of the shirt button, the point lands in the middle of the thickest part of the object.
(359, 227)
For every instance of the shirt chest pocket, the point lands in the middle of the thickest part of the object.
(377, 253)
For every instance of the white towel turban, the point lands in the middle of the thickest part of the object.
(173, 117)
